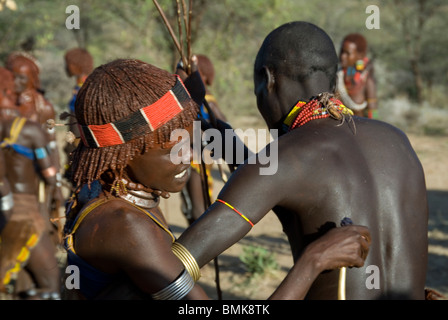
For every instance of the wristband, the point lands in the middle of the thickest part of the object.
(177, 289)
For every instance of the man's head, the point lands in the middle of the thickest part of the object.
(296, 61)
(78, 62)
(353, 48)
(25, 70)
(123, 109)
(206, 69)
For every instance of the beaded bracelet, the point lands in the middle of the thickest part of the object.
(242, 215)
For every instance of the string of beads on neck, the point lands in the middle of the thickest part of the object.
(320, 107)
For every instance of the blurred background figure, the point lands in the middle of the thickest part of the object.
(356, 81)
(29, 268)
(33, 105)
(78, 65)
(193, 201)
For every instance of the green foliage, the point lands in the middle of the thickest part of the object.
(258, 260)
(230, 33)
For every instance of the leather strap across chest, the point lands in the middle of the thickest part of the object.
(96, 204)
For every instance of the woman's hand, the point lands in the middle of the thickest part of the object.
(193, 81)
(340, 247)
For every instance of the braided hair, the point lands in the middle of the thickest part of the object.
(6, 82)
(110, 93)
(18, 59)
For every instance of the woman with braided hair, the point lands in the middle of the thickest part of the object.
(115, 232)
(33, 105)
(28, 264)
(126, 111)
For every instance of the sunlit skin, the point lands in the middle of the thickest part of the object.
(155, 169)
(120, 239)
(327, 170)
(151, 266)
(24, 175)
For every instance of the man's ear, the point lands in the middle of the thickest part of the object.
(270, 79)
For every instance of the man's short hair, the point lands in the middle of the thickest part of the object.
(298, 49)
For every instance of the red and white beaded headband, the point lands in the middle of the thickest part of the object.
(139, 123)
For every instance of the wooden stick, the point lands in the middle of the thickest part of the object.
(187, 66)
(167, 24)
(190, 15)
(343, 271)
(187, 22)
(342, 281)
(179, 25)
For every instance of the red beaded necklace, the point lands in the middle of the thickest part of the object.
(305, 112)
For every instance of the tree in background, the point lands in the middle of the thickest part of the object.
(409, 49)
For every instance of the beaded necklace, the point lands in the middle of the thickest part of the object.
(319, 107)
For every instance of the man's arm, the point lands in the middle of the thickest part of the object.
(371, 97)
(247, 197)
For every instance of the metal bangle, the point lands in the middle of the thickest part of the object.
(187, 260)
(177, 289)
(7, 202)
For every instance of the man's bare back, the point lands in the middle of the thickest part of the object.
(368, 171)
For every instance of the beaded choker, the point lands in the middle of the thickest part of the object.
(322, 106)
(139, 123)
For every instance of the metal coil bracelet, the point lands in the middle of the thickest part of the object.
(177, 289)
(187, 259)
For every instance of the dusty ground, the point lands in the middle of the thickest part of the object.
(236, 283)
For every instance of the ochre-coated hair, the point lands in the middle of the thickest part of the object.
(81, 58)
(206, 69)
(359, 40)
(6, 82)
(110, 93)
(18, 59)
